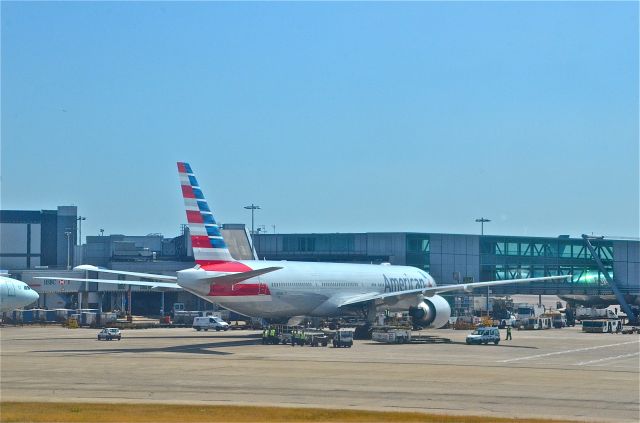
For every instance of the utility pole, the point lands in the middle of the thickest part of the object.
(482, 221)
(253, 208)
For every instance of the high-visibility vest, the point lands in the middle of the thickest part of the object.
(273, 332)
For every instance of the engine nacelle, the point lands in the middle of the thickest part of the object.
(432, 312)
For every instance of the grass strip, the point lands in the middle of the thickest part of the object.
(54, 412)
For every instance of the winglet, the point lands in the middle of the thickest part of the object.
(87, 267)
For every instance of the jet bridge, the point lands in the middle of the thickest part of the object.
(633, 319)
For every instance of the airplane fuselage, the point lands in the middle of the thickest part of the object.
(304, 288)
(15, 294)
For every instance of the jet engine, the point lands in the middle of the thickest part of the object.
(431, 312)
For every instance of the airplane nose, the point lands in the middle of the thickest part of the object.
(34, 295)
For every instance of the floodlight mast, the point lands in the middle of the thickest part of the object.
(253, 208)
(482, 221)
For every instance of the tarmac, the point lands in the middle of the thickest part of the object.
(555, 373)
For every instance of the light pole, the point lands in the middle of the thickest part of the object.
(68, 235)
(253, 208)
(482, 221)
(80, 219)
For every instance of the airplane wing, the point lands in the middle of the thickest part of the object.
(116, 282)
(389, 296)
(91, 268)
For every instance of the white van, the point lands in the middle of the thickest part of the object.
(209, 322)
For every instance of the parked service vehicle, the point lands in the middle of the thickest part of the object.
(602, 326)
(511, 321)
(536, 323)
(209, 322)
(558, 321)
(343, 338)
(316, 338)
(484, 336)
(107, 334)
(584, 313)
(526, 311)
(391, 336)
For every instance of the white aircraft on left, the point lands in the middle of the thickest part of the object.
(15, 294)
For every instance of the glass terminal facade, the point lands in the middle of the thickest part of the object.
(452, 258)
(510, 258)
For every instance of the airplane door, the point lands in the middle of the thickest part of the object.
(12, 289)
(262, 287)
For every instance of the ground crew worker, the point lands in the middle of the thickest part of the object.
(272, 335)
(302, 338)
(264, 336)
(293, 338)
(509, 333)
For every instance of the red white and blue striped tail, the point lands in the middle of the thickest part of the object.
(207, 241)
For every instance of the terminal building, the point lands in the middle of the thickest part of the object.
(36, 243)
(453, 258)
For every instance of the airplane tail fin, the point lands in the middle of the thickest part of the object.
(207, 241)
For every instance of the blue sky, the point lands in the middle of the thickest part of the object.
(333, 117)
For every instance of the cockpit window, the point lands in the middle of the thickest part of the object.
(26, 288)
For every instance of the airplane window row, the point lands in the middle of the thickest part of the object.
(324, 284)
(339, 284)
(291, 284)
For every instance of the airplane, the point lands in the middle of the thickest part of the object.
(279, 290)
(15, 294)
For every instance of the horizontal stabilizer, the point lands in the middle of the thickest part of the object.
(232, 278)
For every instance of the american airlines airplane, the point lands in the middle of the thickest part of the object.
(15, 294)
(279, 290)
